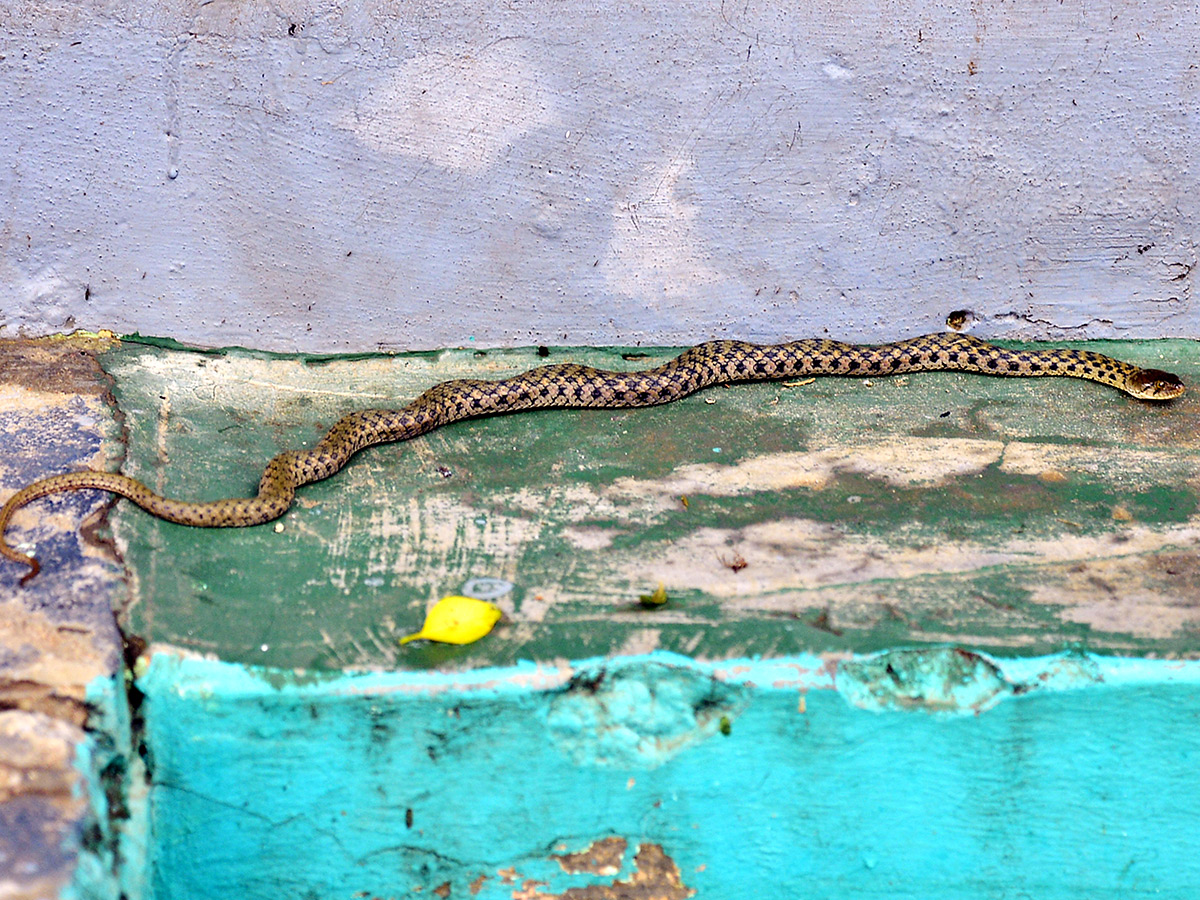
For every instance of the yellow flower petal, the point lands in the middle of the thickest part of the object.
(456, 620)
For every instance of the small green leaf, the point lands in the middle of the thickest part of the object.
(658, 598)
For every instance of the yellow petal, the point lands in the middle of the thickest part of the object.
(456, 620)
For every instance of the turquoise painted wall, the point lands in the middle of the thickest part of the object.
(932, 774)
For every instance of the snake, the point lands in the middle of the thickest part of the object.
(567, 385)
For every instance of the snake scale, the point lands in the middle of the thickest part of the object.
(568, 385)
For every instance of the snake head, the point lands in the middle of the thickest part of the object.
(1153, 384)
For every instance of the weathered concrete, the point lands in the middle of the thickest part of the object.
(42, 804)
(320, 175)
(58, 636)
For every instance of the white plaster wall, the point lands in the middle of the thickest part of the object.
(320, 175)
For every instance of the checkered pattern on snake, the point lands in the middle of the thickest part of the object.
(566, 385)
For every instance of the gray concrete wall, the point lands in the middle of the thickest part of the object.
(320, 175)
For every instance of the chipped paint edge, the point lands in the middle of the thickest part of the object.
(168, 668)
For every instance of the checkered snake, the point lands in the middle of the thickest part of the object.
(567, 385)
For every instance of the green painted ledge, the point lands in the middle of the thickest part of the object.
(1013, 515)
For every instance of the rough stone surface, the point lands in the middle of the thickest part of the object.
(58, 634)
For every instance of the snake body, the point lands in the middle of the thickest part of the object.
(568, 385)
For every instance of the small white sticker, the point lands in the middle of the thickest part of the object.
(486, 588)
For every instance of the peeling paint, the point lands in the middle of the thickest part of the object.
(901, 463)
(832, 558)
(1136, 465)
(638, 714)
(601, 857)
(655, 876)
(933, 680)
(1149, 596)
